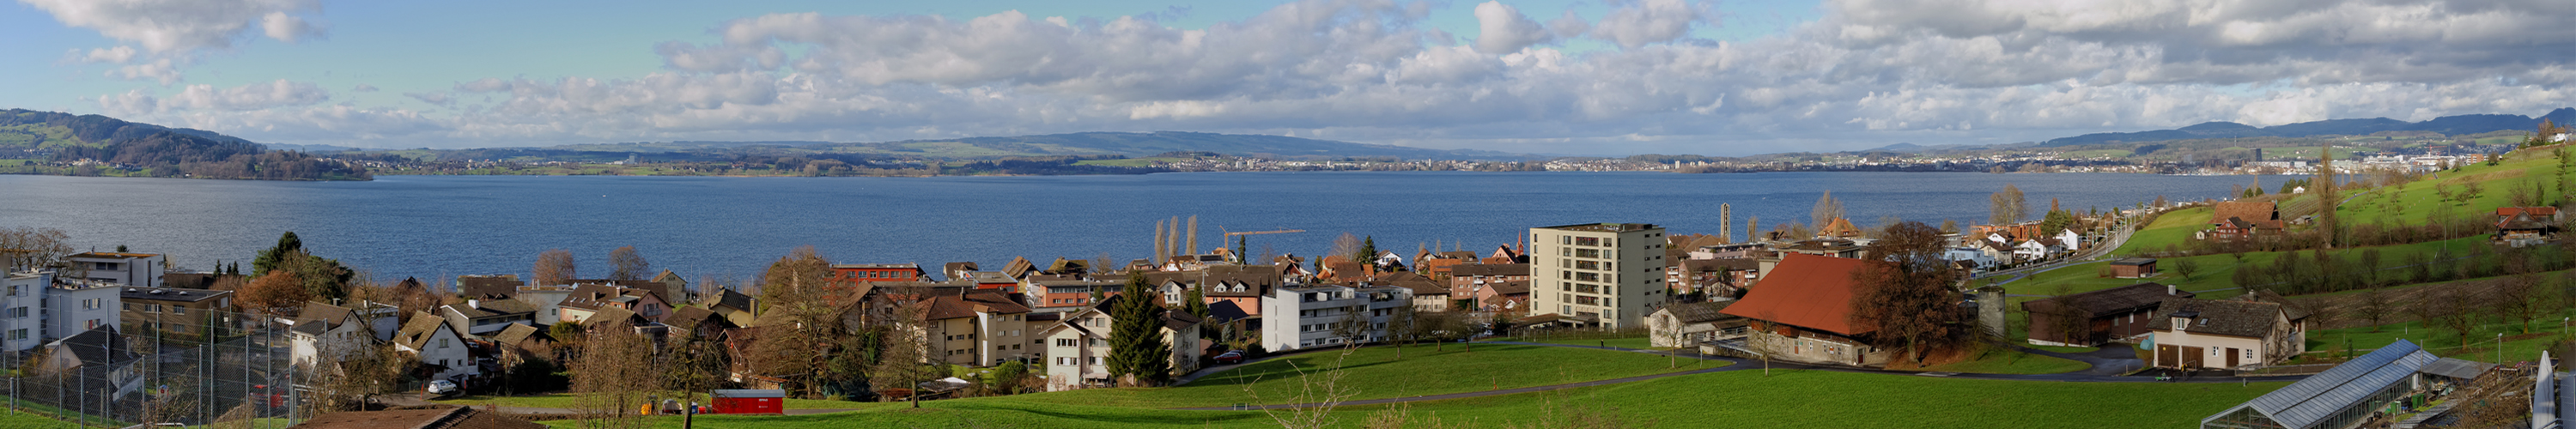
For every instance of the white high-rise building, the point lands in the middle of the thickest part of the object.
(1609, 274)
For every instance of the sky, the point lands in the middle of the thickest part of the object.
(1555, 77)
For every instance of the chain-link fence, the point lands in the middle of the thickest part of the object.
(217, 368)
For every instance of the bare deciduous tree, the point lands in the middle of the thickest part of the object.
(554, 267)
(278, 294)
(2010, 206)
(613, 374)
(627, 264)
(30, 247)
(2374, 305)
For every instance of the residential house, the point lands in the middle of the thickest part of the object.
(479, 317)
(1690, 323)
(1802, 311)
(674, 288)
(1077, 346)
(1715, 278)
(699, 322)
(1973, 255)
(853, 275)
(976, 329)
(1066, 292)
(1428, 295)
(325, 332)
(1839, 228)
(2195, 333)
(442, 352)
(2069, 240)
(2093, 318)
(2523, 226)
(958, 270)
(1510, 296)
(2033, 249)
(588, 299)
(175, 311)
(1242, 285)
(2238, 220)
(1507, 255)
(1438, 263)
(734, 306)
(489, 287)
(130, 269)
(990, 280)
(1299, 317)
(99, 356)
(1479, 283)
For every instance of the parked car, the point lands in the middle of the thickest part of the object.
(1230, 357)
(442, 388)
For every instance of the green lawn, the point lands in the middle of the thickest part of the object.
(2481, 345)
(1630, 342)
(566, 400)
(9, 420)
(1374, 372)
(2172, 228)
(1734, 399)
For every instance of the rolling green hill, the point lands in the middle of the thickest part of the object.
(55, 143)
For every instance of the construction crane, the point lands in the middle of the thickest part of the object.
(1258, 232)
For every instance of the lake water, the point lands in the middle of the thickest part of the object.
(442, 226)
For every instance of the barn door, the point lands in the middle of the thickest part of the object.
(2191, 357)
(2231, 357)
(2168, 356)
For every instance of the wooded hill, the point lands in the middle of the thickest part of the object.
(2450, 125)
(34, 142)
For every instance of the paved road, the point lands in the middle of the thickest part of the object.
(2100, 373)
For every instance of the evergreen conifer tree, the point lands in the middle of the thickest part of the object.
(271, 258)
(1136, 346)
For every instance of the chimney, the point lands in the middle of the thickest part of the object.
(2169, 290)
(474, 304)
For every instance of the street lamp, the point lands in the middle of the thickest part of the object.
(2499, 348)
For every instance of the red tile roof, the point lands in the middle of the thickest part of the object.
(1807, 291)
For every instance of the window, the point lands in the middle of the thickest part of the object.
(91, 304)
(1587, 241)
(1587, 253)
(129, 306)
(178, 310)
(442, 343)
(18, 313)
(14, 290)
(154, 308)
(17, 334)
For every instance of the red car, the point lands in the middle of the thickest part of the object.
(1230, 357)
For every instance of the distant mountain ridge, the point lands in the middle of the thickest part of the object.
(2447, 125)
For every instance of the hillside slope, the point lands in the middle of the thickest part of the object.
(2449, 125)
(34, 142)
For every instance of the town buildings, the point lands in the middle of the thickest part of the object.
(1606, 274)
(975, 329)
(1077, 346)
(193, 313)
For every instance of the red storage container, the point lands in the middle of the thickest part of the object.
(750, 401)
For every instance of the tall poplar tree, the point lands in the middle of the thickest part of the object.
(1136, 346)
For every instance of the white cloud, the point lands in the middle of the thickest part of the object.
(1371, 70)
(163, 70)
(171, 26)
(363, 88)
(257, 96)
(1502, 29)
(1649, 21)
(115, 55)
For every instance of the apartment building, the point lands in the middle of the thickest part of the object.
(1605, 274)
(977, 329)
(177, 311)
(1306, 316)
(130, 269)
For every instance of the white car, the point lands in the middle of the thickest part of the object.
(442, 388)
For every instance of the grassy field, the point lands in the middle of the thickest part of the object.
(30, 421)
(1375, 372)
(2520, 344)
(566, 400)
(2062, 349)
(1746, 399)
(1641, 343)
(2172, 228)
